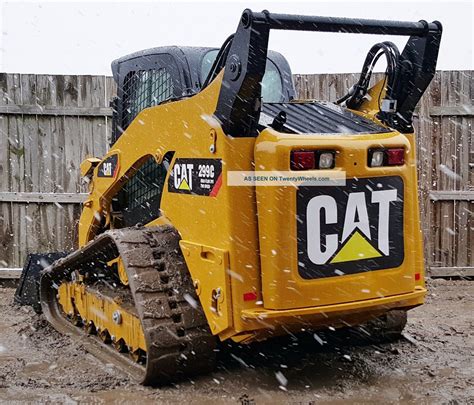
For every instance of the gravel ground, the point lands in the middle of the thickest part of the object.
(434, 364)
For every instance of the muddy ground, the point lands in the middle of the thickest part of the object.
(435, 364)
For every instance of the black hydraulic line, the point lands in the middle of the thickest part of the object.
(220, 60)
(392, 54)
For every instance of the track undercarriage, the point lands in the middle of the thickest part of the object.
(153, 328)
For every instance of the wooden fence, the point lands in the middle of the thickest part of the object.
(48, 124)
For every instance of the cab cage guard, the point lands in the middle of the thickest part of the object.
(239, 104)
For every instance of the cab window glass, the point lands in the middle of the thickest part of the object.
(145, 88)
(207, 62)
(272, 87)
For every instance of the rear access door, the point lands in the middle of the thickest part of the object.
(345, 233)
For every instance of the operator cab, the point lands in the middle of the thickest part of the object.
(153, 76)
(150, 77)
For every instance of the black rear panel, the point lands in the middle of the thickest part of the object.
(316, 118)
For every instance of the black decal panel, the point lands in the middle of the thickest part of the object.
(350, 229)
(109, 167)
(196, 176)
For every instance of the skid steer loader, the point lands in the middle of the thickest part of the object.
(227, 209)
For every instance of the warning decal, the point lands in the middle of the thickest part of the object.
(196, 176)
(350, 229)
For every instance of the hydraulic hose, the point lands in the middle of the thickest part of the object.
(357, 92)
(219, 62)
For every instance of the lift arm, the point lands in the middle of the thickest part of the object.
(239, 103)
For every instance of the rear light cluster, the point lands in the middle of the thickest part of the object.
(314, 159)
(326, 159)
(386, 157)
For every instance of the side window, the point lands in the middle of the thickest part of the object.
(272, 87)
(143, 89)
(207, 62)
(139, 199)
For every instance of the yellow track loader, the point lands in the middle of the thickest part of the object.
(228, 209)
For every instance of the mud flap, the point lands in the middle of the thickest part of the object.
(27, 292)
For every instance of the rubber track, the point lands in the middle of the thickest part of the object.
(176, 332)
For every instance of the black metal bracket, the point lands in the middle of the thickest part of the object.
(416, 69)
(238, 107)
(27, 292)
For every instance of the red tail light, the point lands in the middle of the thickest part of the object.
(302, 160)
(395, 157)
(317, 159)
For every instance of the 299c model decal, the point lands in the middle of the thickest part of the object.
(350, 229)
(196, 176)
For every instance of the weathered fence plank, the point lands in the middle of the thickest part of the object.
(10, 273)
(56, 110)
(452, 271)
(42, 197)
(452, 195)
(457, 110)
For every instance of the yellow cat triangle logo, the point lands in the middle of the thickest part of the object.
(184, 185)
(356, 248)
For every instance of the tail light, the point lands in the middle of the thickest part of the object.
(396, 157)
(386, 157)
(302, 160)
(308, 160)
